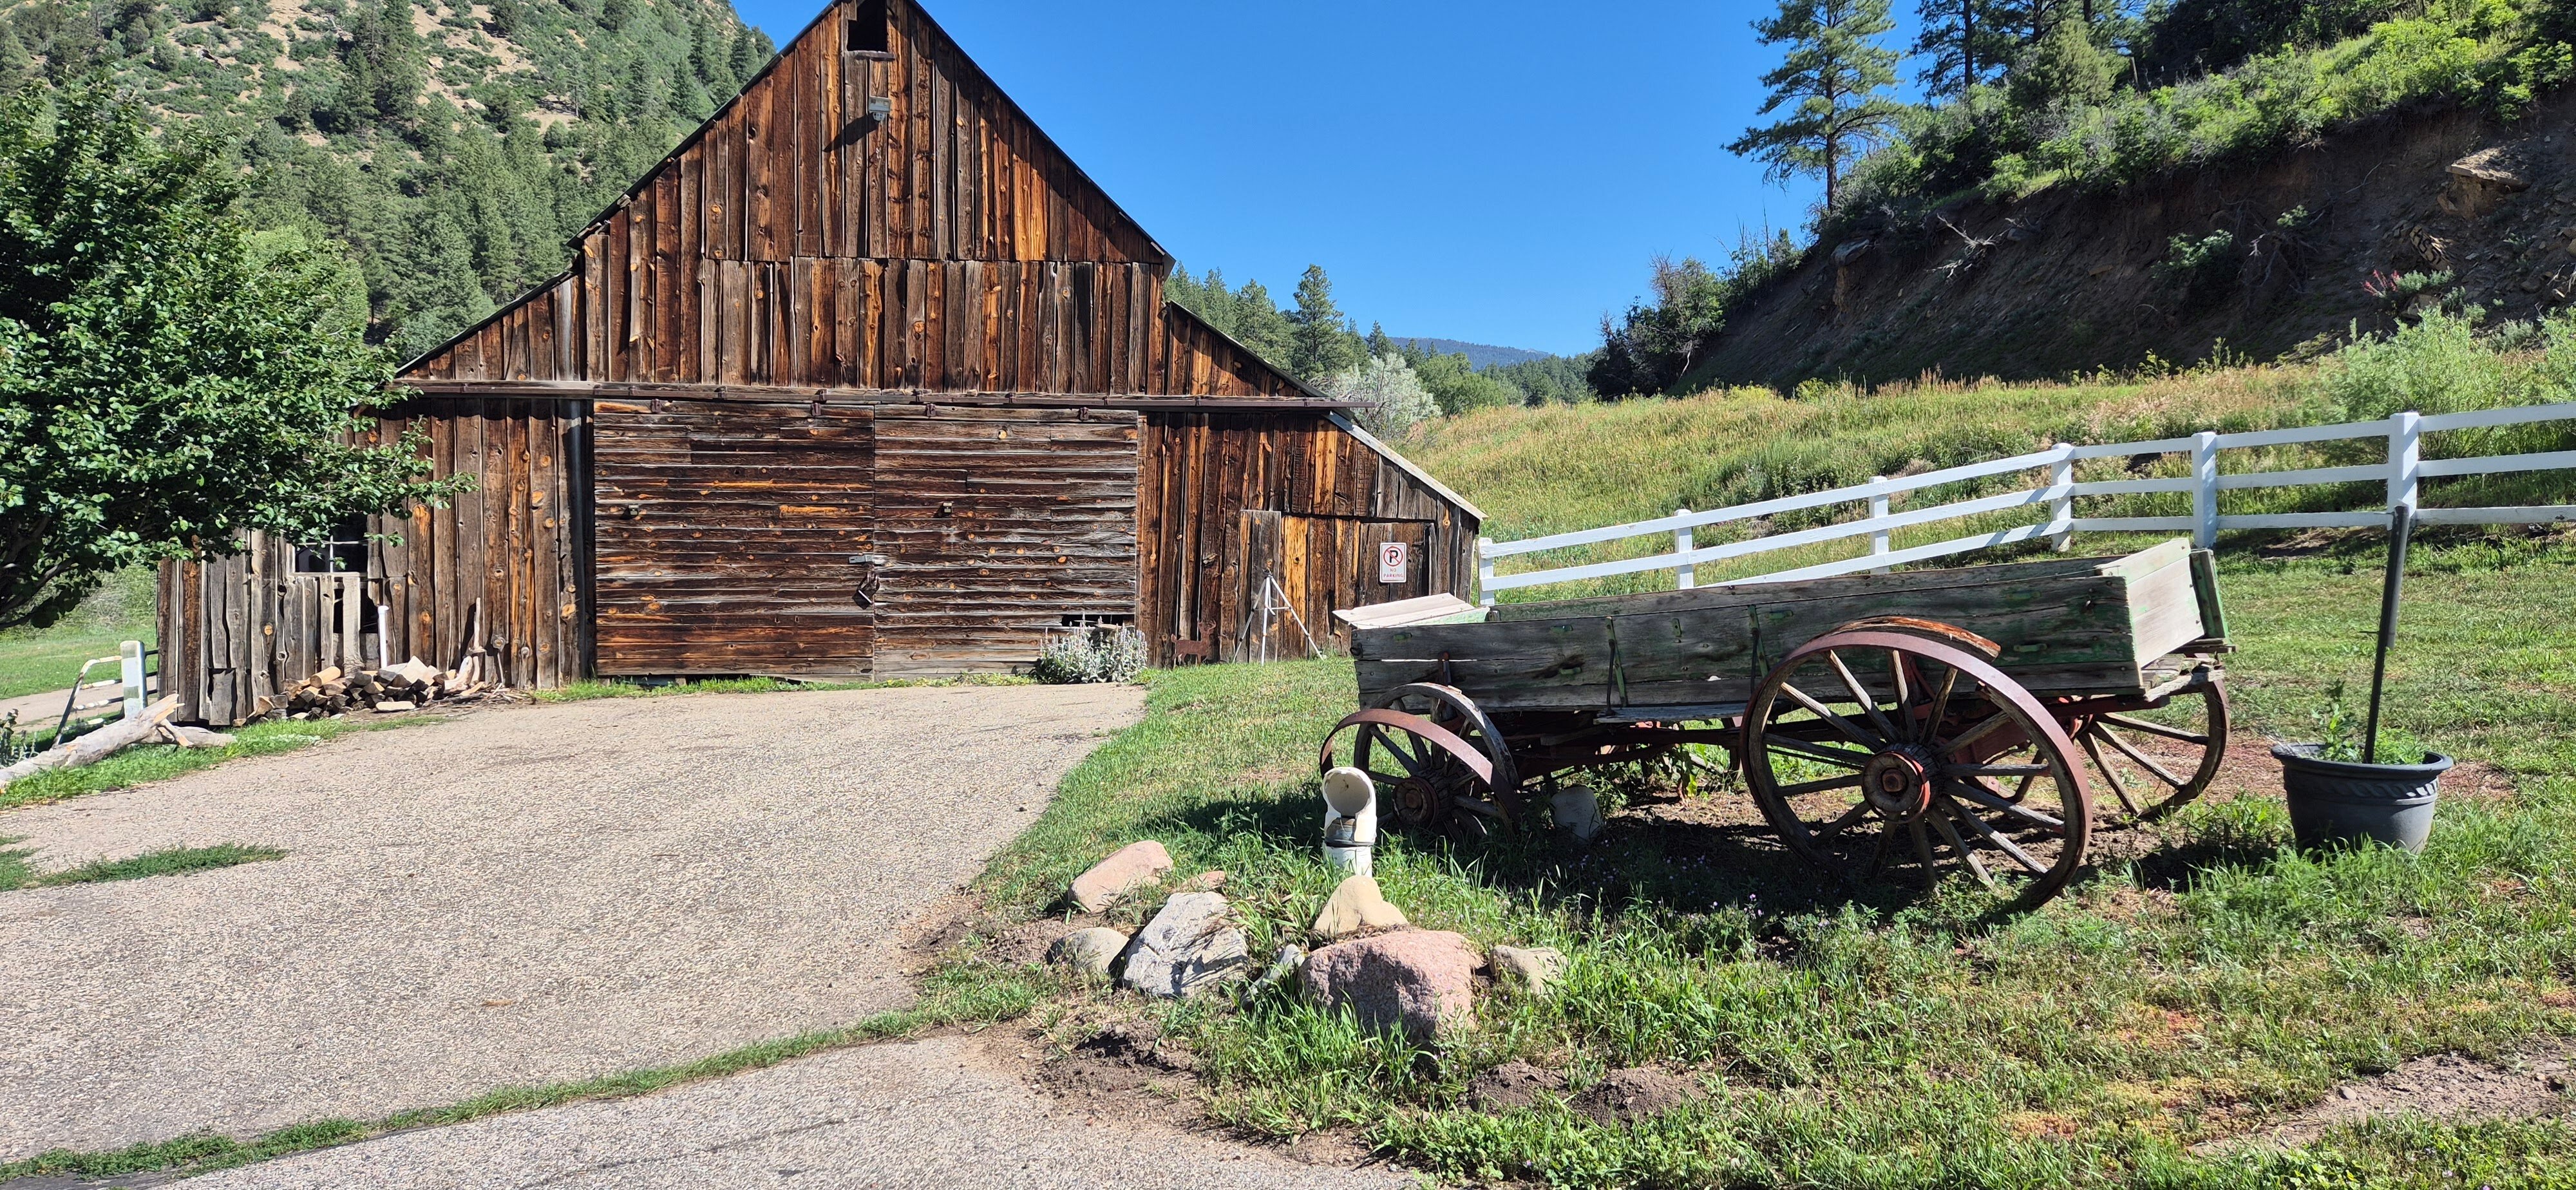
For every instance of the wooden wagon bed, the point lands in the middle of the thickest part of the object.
(1970, 710)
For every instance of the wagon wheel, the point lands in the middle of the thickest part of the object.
(1869, 750)
(1438, 761)
(2161, 755)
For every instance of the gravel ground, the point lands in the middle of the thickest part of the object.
(515, 896)
(931, 1113)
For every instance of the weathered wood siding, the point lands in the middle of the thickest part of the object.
(1200, 472)
(247, 625)
(1001, 524)
(726, 535)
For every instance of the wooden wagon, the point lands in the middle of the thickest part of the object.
(1930, 719)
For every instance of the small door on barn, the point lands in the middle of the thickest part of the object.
(1320, 565)
(734, 539)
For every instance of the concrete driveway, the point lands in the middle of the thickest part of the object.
(517, 896)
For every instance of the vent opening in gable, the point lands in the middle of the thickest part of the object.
(867, 31)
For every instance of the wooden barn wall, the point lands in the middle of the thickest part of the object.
(1000, 524)
(1199, 473)
(947, 326)
(248, 625)
(727, 537)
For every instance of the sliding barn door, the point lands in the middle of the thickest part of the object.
(734, 538)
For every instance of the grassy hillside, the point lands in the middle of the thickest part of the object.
(1557, 468)
(451, 146)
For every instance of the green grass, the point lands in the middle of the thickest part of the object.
(175, 861)
(2213, 984)
(1538, 471)
(36, 662)
(156, 762)
(955, 995)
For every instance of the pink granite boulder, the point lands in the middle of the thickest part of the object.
(1126, 870)
(1419, 981)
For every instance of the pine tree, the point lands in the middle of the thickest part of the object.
(1831, 81)
(1319, 342)
(1379, 344)
(1965, 43)
(1260, 325)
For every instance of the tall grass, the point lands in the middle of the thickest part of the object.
(1539, 471)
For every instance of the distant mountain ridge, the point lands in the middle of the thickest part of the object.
(1480, 356)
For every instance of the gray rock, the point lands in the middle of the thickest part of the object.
(1089, 951)
(1187, 948)
(1578, 813)
(1536, 970)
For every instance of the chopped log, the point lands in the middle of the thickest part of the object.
(97, 745)
(328, 675)
(391, 706)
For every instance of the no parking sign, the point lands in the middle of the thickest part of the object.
(1390, 562)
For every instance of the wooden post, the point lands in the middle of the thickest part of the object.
(2405, 459)
(1485, 571)
(1685, 575)
(2061, 508)
(2204, 492)
(1878, 541)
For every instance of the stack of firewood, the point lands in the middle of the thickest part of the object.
(408, 686)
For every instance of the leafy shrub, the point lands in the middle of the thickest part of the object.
(2200, 270)
(1104, 653)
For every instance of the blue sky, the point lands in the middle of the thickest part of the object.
(1499, 172)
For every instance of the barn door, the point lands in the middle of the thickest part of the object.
(734, 538)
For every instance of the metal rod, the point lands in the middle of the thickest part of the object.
(2401, 526)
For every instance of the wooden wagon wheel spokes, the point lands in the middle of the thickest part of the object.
(1872, 751)
(1436, 757)
(2157, 757)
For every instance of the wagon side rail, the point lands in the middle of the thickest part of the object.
(2403, 474)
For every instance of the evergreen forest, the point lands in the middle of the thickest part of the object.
(452, 147)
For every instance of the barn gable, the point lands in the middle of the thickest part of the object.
(797, 240)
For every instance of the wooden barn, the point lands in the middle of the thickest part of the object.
(866, 377)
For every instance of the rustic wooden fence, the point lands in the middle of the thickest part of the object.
(2403, 472)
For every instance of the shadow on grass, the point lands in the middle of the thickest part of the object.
(1678, 867)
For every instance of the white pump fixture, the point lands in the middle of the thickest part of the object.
(1350, 819)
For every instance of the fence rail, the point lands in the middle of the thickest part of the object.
(2403, 474)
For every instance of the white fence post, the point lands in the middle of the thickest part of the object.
(2204, 491)
(2061, 511)
(1485, 571)
(131, 654)
(1684, 574)
(2405, 459)
(1878, 508)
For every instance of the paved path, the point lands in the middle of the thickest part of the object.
(929, 1114)
(516, 896)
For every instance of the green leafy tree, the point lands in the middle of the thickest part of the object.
(1390, 398)
(166, 378)
(1320, 340)
(1456, 386)
(1831, 82)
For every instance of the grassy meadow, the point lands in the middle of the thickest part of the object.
(1557, 468)
(2121, 1035)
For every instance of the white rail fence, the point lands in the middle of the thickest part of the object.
(2404, 473)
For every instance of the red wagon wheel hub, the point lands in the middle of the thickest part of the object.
(1898, 785)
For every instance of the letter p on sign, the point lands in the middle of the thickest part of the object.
(1390, 562)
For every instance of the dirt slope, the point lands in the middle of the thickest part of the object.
(2063, 282)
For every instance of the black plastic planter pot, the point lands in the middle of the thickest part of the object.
(2342, 801)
